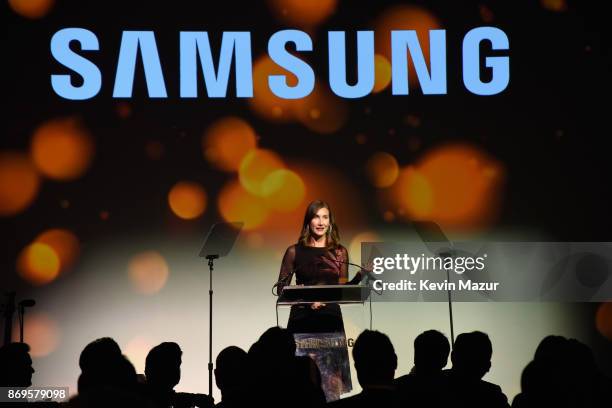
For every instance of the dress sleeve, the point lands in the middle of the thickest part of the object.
(342, 255)
(286, 269)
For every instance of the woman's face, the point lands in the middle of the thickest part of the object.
(320, 223)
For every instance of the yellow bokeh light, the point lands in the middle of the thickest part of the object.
(227, 141)
(31, 8)
(41, 332)
(237, 204)
(405, 17)
(187, 200)
(61, 149)
(321, 111)
(302, 13)
(456, 186)
(19, 183)
(38, 264)
(382, 73)
(417, 197)
(64, 243)
(603, 320)
(264, 103)
(283, 190)
(148, 272)
(382, 169)
(256, 165)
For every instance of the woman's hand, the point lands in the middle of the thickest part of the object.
(317, 305)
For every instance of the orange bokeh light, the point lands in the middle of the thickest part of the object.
(302, 13)
(38, 264)
(320, 182)
(382, 73)
(264, 103)
(237, 204)
(603, 320)
(256, 165)
(417, 197)
(148, 272)
(283, 190)
(554, 5)
(456, 186)
(41, 332)
(187, 200)
(321, 111)
(382, 169)
(31, 8)
(405, 17)
(227, 141)
(19, 183)
(64, 243)
(61, 149)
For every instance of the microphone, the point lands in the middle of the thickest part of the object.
(369, 275)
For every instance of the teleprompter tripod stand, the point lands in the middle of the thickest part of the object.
(218, 243)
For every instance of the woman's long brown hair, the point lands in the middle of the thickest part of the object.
(332, 237)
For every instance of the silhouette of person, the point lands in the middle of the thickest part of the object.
(231, 377)
(163, 373)
(563, 373)
(425, 384)
(15, 365)
(375, 363)
(471, 358)
(16, 371)
(107, 377)
(100, 361)
(279, 378)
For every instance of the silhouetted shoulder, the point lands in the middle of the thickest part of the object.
(494, 394)
(404, 380)
(368, 399)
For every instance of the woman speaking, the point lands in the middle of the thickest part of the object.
(318, 258)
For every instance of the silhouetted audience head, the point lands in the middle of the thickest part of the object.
(278, 341)
(563, 372)
(471, 354)
(550, 348)
(163, 365)
(15, 365)
(375, 358)
(98, 353)
(231, 370)
(102, 364)
(431, 350)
